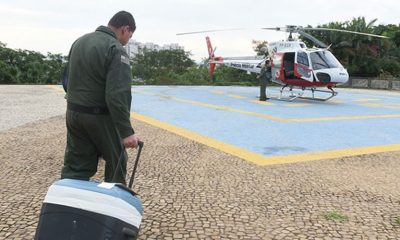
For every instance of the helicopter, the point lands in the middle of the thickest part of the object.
(293, 64)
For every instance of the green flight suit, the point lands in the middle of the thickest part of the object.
(99, 76)
(265, 76)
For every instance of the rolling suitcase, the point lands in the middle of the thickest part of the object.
(86, 210)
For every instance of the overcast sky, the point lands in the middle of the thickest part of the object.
(52, 25)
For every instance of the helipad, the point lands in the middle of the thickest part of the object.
(233, 120)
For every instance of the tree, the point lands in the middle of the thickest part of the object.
(230, 76)
(159, 67)
(24, 66)
(362, 55)
(260, 47)
(8, 68)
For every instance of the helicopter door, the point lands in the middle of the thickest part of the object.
(277, 68)
(302, 66)
(288, 65)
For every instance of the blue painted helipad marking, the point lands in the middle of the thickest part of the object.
(355, 120)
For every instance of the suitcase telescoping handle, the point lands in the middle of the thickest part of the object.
(119, 167)
(140, 143)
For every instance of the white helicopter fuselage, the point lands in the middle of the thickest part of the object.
(292, 64)
(295, 64)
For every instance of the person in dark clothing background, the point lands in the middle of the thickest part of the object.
(265, 76)
(99, 101)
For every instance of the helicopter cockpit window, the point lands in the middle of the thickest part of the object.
(302, 58)
(323, 60)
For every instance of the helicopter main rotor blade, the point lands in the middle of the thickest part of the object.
(214, 30)
(346, 31)
(273, 28)
(313, 39)
(287, 28)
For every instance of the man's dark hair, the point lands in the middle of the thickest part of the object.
(123, 18)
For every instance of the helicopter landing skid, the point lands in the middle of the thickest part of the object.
(294, 95)
(313, 90)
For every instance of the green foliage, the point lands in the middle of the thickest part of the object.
(230, 76)
(161, 67)
(333, 215)
(397, 222)
(23, 66)
(194, 76)
(260, 47)
(390, 68)
(174, 67)
(362, 55)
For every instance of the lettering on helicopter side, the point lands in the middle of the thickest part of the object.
(281, 45)
(285, 45)
(242, 65)
(246, 65)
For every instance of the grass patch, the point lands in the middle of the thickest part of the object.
(397, 222)
(333, 215)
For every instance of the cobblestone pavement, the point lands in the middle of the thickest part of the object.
(21, 104)
(191, 191)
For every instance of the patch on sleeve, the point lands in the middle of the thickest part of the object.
(125, 59)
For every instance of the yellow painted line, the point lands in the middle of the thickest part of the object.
(218, 107)
(258, 158)
(372, 105)
(335, 101)
(244, 154)
(343, 118)
(331, 154)
(229, 95)
(262, 102)
(366, 99)
(235, 96)
(217, 92)
(273, 118)
(380, 105)
(297, 104)
(56, 87)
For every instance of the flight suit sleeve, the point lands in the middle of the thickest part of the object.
(118, 93)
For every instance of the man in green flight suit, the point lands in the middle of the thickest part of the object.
(265, 76)
(99, 101)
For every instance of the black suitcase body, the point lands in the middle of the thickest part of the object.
(85, 210)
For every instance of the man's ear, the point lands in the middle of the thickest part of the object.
(126, 29)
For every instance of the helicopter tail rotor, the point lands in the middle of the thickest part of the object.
(212, 59)
(210, 48)
(211, 56)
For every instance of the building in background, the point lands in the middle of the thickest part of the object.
(134, 47)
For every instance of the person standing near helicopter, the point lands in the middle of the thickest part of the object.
(265, 76)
